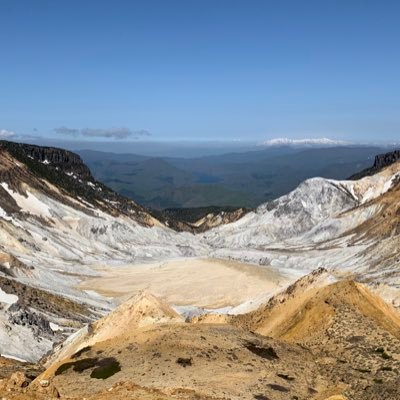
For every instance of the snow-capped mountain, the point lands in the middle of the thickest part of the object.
(307, 142)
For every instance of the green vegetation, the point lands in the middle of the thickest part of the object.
(363, 370)
(77, 366)
(383, 353)
(103, 368)
(185, 362)
(286, 377)
(81, 351)
(238, 179)
(264, 352)
(108, 367)
(63, 368)
(190, 215)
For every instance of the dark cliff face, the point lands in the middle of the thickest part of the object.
(384, 160)
(381, 161)
(64, 160)
(66, 170)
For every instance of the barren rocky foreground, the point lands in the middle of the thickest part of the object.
(332, 340)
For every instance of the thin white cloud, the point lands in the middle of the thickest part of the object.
(62, 130)
(111, 133)
(4, 133)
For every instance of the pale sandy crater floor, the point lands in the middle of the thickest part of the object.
(201, 282)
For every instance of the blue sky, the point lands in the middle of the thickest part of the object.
(200, 70)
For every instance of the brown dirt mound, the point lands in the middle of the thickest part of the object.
(209, 360)
(140, 310)
(303, 313)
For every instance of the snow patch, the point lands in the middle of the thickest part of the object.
(390, 182)
(54, 327)
(71, 174)
(4, 215)
(7, 298)
(93, 293)
(30, 204)
(10, 357)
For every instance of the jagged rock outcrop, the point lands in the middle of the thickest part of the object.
(381, 161)
(384, 160)
(65, 160)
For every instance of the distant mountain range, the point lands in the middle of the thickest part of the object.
(242, 179)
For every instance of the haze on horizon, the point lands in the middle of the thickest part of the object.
(226, 71)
